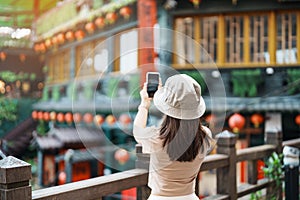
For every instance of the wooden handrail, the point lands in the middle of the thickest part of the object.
(255, 153)
(94, 188)
(293, 143)
(214, 161)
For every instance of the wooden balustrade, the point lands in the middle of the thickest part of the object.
(14, 174)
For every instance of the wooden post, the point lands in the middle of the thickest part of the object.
(273, 135)
(69, 165)
(14, 179)
(273, 130)
(226, 176)
(142, 162)
(252, 172)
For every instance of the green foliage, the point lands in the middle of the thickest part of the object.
(45, 96)
(97, 3)
(8, 76)
(71, 91)
(199, 77)
(256, 196)
(246, 82)
(273, 171)
(112, 87)
(8, 109)
(274, 168)
(88, 90)
(42, 128)
(293, 79)
(45, 69)
(32, 77)
(134, 86)
(55, 93)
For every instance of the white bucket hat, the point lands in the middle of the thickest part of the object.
(180, 98)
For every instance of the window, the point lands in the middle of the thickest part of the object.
(59, 67)
(286, 38)
(101, 59)
(84, 60)
(184, 44)
(128, 51)
(234, 37)
(258, 39)
(208, 39)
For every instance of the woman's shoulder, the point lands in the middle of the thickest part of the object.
(145, 132)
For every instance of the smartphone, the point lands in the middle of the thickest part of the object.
(152, 79)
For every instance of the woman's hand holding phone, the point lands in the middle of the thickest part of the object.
(145, 99)
(155, 83)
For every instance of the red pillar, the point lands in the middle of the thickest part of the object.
(147, 17)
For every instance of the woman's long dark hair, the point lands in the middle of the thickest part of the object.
(183, 138)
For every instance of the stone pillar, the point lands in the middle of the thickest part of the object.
(14, 179)
(142, 162)
(226, 176)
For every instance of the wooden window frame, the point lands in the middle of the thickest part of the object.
(221, 38)
(59, 67)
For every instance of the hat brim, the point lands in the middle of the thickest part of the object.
(164, 107)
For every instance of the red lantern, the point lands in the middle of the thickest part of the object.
(34, 115)
(60, 38)
(110, 119)
(77, 117)
(46, 116)
(62, 177)
(236, 122)
(297, 120)
(48, 43)
(122, 156)
(36, 47)
(22, 57)
(79, 35)
(196, 3)
(211, 118)
(257, 119)
(70, 35)
(60, 117)
(2, 56)
(100, 22)
(90, 27)
(40, 115)
(69, 117)
(88, 118)
(125, 12)
(54, 40)
(99, 119)
(53, 116)
(42, 47)
(111, 17)
(124, 119)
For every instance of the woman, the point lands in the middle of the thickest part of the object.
(177, 148)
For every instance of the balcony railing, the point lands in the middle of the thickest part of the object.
(15, 174)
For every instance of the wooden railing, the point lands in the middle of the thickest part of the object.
(15, 174)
